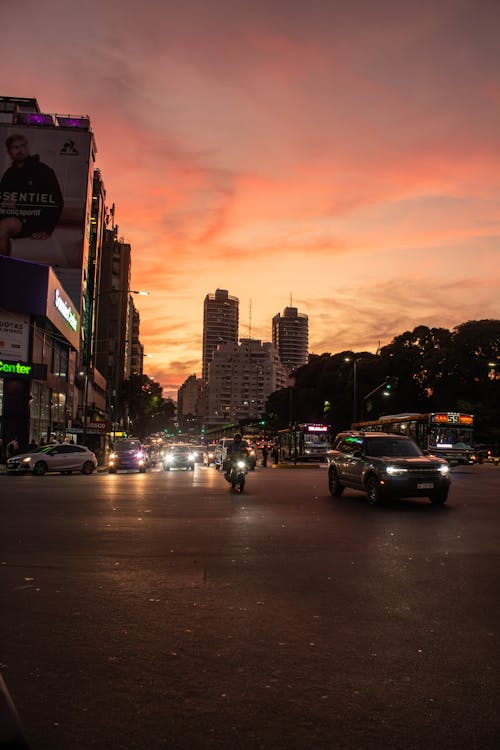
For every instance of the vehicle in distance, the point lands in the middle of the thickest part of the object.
(178, 457)
(127, 453)
(386, 466)
(63, 457)
(486, 454)
(198, 451)
(209, 454)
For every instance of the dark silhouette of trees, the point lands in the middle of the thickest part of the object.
(148, 411)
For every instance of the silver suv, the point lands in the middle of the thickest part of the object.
(386, 466)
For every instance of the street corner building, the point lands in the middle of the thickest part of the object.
(39, 340)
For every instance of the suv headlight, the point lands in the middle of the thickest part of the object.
(444, 469)
(395, 470)
(191, 456)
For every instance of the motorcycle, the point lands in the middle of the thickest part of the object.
(235, 473)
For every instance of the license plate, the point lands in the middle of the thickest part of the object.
(425, 485)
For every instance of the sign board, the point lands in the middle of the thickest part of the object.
(14, 336)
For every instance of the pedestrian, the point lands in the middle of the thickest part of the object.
(264, 455)
(275, 454)
(32, 446)
(12, 447)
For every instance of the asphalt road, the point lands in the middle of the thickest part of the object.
(162, 611)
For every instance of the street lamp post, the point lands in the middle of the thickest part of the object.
(354, 386)
(89, 364)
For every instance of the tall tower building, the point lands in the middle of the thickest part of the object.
(113, 316)
(291, 338)
(220, 325)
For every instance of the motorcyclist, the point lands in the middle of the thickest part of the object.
(235, 451)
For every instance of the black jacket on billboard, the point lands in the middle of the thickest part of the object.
(31, 193)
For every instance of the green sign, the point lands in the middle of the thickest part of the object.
(14, 368)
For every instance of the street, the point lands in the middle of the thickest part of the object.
(161, 610)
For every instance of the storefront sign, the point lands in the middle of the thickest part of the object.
(14, 336)
(65, 310)
(14, 368)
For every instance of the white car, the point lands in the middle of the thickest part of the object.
(63, 457)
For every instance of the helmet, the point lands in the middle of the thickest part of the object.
(237, 437)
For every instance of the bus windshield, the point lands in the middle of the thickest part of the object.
(449, 437)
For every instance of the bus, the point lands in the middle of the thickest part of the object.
(449, 435)
(310, 441)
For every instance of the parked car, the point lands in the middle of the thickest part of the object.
(62, 457)
(386, 466)
(178, 457)
(127, 453)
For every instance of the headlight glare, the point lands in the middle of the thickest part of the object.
(395, 470)
(444, 469)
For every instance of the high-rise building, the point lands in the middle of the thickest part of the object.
(241, 379)
(134, 350)
(291, 338)
(112, 311)
(188, 400)
(220, 325)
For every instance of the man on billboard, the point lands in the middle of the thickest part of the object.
(31, 200)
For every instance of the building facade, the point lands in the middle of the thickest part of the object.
(134, 351)
(112, 314)
(241, 379)
(290, 334)
(39, 340)
(189, 400)
(220, 325)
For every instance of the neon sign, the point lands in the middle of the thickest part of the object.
(15, 368)
(65, 310)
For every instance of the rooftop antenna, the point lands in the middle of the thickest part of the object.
(250, 319)
(291, 304)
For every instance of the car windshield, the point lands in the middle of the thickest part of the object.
(127, 445)
(395, 448)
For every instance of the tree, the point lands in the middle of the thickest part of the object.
(147, 409)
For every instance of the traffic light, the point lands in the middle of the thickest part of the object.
(390, 385)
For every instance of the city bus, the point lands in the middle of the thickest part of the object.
(310, 441)
(449, 435)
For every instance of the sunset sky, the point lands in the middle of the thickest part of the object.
(345, 155)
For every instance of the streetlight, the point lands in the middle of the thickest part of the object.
(354, 386)
(89, 363)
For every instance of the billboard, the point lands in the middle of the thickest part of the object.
(14, 336)
(45, 175)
